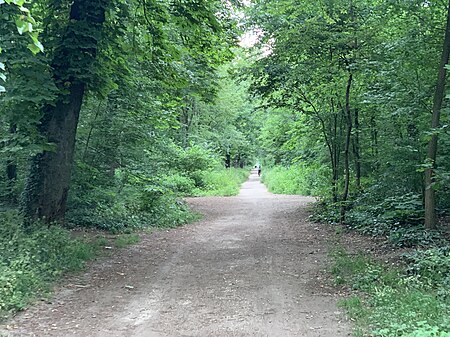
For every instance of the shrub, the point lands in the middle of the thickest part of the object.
(179, 184)
(223, 182)
(396, 302)
(297, 179)
(431, 265)
(29, 261)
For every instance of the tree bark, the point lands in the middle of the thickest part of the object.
(46, 191)
(430, 198)
(11, 171)
(348, 116)
(357, 150)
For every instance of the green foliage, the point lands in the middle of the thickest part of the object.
(29, 261)
(300, 179)
(180, 184)
(301, 69)
(428, 331)
(399, 219)
(416, 236)
(223, 182)
(432, 266)
(163, 209)
(192, 161)
(394, 302)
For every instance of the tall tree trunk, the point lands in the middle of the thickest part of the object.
(46, 191)
(430, 198)
(334, 152)
(348, 116)
(11, 171)
(357, 150)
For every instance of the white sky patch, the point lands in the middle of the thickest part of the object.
(250, 38)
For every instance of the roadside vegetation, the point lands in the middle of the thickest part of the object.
(295, 179)
(410, 300)
(352, 115)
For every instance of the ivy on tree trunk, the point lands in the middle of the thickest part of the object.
(45, 196)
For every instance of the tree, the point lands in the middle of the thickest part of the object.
(81, 48)
(430, 199)
(359, 72)
(48, 184)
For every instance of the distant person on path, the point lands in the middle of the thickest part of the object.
(259, 170)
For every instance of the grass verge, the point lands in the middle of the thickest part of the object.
(223, 182)
(389, 301)
(296, 179)
(30, 262)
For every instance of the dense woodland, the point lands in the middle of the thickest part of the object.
(112, 111)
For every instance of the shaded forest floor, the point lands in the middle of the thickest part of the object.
(253, 266)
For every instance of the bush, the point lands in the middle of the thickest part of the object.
(431, 265)
(29, 261)
(179, 184)
(396, 302)
(297, 179)
(223, 182)
(161, 208)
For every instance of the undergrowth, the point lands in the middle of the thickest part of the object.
(30, 261)
(223, 182)
(412, 301)
(399, 220)
(153, 203)
(296, 179)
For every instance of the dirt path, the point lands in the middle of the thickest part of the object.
(251, 267)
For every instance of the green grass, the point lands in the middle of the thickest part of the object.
(124, 240)
(390, 301)
(296, 179)
(223, 182)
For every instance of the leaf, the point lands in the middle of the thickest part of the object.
(2, 65)
(16, 2)
(3, 77)
(39, 45)
(35, 47)
(2, 89)
(21, 26)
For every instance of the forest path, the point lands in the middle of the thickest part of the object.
(251, 267)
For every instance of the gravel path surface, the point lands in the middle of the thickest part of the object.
(251, 267)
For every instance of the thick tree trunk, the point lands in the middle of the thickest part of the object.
(48, 184)
(430, 198)
(348, 116)
(45, 195)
